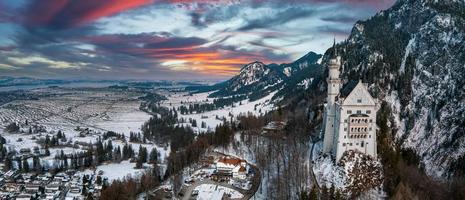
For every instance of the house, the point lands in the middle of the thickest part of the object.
(11, 175)
(350, 116)
(226, 165)
(52, 188)
(239, 172)
(274, 127)
(32, 188)
(23, 197)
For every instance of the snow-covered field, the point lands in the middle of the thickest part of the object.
(114, 171)
(65, 109)
(216, 192)
(214, 118)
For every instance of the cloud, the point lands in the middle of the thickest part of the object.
(279, 18)
(341, 18)
(7, 67)
(60, 14)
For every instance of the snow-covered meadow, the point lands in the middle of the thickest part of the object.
(215, 117)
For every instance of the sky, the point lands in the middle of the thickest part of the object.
(167, 39)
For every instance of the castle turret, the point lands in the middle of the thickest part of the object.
(334, 85)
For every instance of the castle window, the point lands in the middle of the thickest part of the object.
(345, 120)
(361, 144)
(356, 144)
(343, 144)
(370, 129)
(350, 144)
(369, 136)
(368, 111)
(359, 100)
(345, 129)
(359, 112)
(349, 112)
(371, 120)
(345, 137)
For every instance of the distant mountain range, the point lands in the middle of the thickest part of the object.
(256, 79)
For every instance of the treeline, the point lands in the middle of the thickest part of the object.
(205, 107)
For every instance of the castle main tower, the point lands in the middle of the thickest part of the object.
(334, 85)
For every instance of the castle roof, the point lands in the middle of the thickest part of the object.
(347, 88)
(356, 93)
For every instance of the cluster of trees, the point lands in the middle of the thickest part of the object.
(137, 138)
(130, 187)
(54, 140)
(3, 149)
(112, 134)
(217, 104)
(12, 128)
(23, 164)
(191, 152)
(164, 129)
(196, 108)
(160, 125)
(141, 157)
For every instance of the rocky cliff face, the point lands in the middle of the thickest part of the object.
(413, 56)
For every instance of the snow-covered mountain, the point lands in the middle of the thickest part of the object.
(413, 56)
(258, 79)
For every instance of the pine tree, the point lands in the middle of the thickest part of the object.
(36, 163)
(47, 151)
(8, 164)
(153, 156)
(25, 166)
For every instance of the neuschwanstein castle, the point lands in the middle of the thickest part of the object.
(350, 116)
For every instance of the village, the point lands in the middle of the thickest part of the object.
(69, 185)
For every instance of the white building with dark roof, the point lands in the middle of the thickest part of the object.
(350, 116)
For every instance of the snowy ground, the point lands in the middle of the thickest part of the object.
(215, 192)
(214, 118)
(114, 171)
